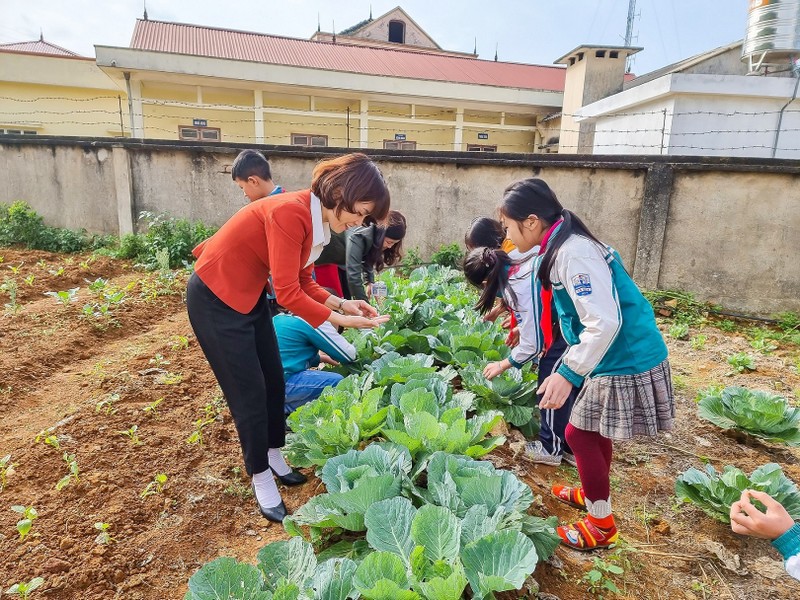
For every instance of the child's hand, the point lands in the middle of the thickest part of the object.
(554, 390)
(513, 338)
(494, 369)
(746, 519)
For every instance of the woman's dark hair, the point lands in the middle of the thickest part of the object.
(341, 182)
(534, 197)
(394, 229)
(250, 163)
(487, 265)
(486, 232)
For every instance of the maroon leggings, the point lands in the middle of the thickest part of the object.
(593, 455)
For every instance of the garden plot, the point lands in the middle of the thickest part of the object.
(116, 405)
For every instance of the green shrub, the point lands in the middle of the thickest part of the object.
(449, 255)
(20, 224)
(163, 235)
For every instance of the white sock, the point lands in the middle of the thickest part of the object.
(277, 462)
(266, 490)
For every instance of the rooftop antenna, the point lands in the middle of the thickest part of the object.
(629, 32)
(370, 12)
(475, 50)
(41, 35)
(497, 44)
(333, 23)
(319, 25)
(144, 3)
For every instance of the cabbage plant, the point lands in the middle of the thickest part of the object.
(513, 393)
(714, 492)
(761, 414)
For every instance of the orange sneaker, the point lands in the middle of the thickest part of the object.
(587, 535)
(570, 495)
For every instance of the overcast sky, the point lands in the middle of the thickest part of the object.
(528, 31)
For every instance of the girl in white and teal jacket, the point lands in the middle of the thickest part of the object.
(615, 350)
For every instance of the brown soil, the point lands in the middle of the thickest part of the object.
(55, 367)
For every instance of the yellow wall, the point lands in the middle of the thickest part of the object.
(162, 122)
(428, 137)
(54, 110)
(278, 129)
(505, 140)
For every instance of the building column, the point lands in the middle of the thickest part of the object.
(459, 136)
(135, 106)
(364, 124)
(258, 104)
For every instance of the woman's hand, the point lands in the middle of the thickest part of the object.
(369, 290)
(748, 520)
(493, 369)
(359, 308)
(554, 390)
(357, 322)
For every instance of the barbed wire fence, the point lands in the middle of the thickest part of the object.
(650, 132)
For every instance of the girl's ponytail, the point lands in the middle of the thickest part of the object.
(486, 269)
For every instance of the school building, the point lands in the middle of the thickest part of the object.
(383, 83)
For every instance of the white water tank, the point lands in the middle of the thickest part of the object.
(773, 33)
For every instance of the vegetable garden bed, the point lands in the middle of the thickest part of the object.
(75, 382)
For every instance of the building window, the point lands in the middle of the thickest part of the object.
(600, 54)
(398, 145)
(16, 132)
(480, 148)
(397, 32)
(307, 139)
(199, 134)
(613, 54)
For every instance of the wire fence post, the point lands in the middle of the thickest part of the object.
(121, 121)
(663, 128)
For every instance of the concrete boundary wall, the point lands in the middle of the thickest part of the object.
(726, 229)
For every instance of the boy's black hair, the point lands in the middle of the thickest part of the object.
(250, 163)
(534, 197)
(484, 232)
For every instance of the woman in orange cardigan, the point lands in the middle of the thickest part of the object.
(279, 236)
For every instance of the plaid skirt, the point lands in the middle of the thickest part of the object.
(620, 407)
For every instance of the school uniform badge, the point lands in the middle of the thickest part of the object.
(582, 284)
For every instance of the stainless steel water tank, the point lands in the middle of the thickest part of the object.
(773, 32)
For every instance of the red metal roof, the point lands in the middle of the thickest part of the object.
(38, 47)
(179, 38)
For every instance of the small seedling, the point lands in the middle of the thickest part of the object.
(599, 578)
(196, 437)
(6, 470)
(763, 345)
(72, 465)
(132, 434)
(10, 287)
(30, 279)
(742, 362)
(154, 487)
(727, 325)
(24, 525)
(48, 437)
(679, 331)
(57, 272)
(104, 537)
(237, 487)
(24, 590)
(41, 263)
(152, 408)
(159, 360)
(107, 405)
(98, 285)
(84, 265)
(179, 342)
(64, 297)
(699, 341)
(15, 270)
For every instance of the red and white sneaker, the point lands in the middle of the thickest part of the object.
(588, 535)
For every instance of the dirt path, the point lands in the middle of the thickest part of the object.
(60, 371)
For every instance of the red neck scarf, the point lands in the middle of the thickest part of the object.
(546, 321)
